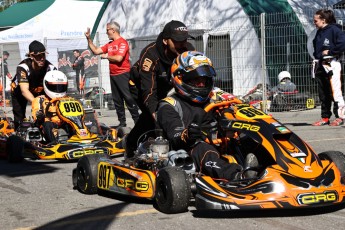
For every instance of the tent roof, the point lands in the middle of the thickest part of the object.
(22, 11)
(339, 5)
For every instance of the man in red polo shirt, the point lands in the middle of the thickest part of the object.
(117, 53)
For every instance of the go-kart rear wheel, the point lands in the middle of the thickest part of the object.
(86, 173)
(14, 149)
(337, 157)
(173, 190)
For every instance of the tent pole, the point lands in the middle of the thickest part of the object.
(100, 91)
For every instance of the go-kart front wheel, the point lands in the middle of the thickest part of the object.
(173, 190)
(337, 157)
(14, 149)
(85, 175)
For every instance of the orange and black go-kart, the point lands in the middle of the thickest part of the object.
(287, 172)
(82, 134)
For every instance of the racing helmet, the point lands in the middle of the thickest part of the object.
(283, 74)
(192, 76)
(55, 84)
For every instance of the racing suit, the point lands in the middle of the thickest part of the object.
(50, 121)
(25, 74)
(174, 115)
(151, 75)
(328, 72)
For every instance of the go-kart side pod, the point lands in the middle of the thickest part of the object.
(14, 149)
(338, 158)
(277, 189)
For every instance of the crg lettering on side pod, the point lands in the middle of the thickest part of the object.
(317, 198)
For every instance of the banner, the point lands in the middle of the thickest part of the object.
(65, 64)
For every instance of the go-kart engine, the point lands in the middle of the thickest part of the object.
(154, 154)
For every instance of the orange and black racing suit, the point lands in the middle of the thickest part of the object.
(51, 120)
(151, 75)
(25, 74)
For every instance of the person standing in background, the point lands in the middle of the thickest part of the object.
(117, 53)
(329, 44)
(151, 75)
(7, 74)
(5, 56)
(78, 66)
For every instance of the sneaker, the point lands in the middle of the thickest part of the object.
(337, 122)
(323, 121)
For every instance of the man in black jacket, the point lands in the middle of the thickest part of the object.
(151, 75)
(28, 80)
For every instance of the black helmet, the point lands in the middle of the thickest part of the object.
(192, 76)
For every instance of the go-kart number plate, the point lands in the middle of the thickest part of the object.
(70, 108)
(310, 103)
(252, 113)
(105, 176)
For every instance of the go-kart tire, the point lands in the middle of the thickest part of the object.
(123, 131)
(173, 190)
(86, 173)
(337, 157)
(14, 149)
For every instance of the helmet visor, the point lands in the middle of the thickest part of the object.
(60, 87)
(201, 71)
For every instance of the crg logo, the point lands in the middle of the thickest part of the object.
(317, 198)
(249, 127)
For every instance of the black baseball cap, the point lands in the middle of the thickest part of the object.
(6, 53)
(176, 31)
(36, 47)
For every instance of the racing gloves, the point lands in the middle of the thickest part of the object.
(194, 132)
(39, 117)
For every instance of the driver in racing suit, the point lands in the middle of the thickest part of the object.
(182, 115)
(285, 83)
(55, 85)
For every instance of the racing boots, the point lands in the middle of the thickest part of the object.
(323, 121)
(337, 122)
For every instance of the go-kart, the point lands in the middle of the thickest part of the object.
(288, 101)
(287, 174)
(80, 135)
(279, 101)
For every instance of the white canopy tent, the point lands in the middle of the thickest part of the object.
(212, 17)
(60, 27)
